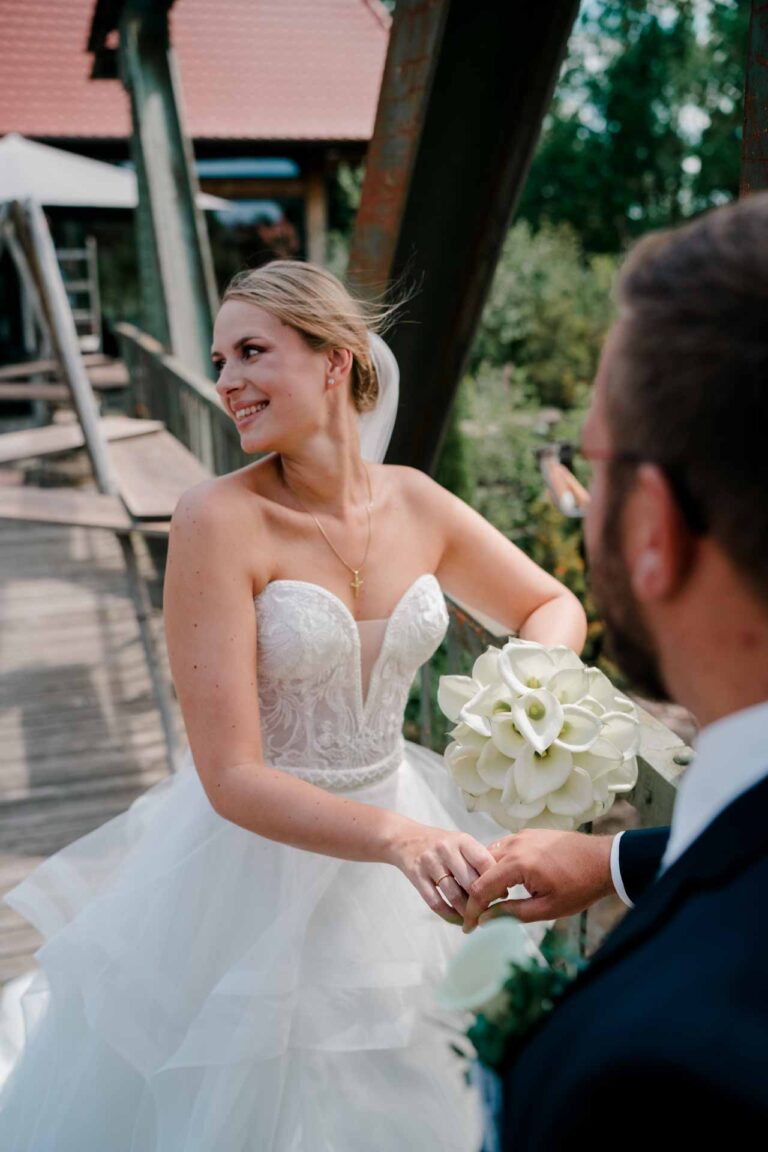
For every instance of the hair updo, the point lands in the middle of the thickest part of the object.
(319, 307)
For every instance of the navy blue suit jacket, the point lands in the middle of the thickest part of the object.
(667, 1029)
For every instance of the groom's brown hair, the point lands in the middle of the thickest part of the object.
(689, 387)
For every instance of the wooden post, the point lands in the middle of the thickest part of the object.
(316, 214)
(32, 228)
(174, 237)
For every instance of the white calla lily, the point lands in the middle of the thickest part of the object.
(538, 775)
(601, 689)
(489, 700)
(477, 972)
(623, 778)
(524, 812)
(467, 737)
(538, 716)
(564, 657)
(580, 729)
(509, 793)
(592, 705)
(621, 730)
(485, 670)
(569, 685)
(524, 666)
(552, 820)
(507, 738)
(477, 721)
(575, 796)
(599, 808)
(463, 765)
(601, 759)
(490, 803)
(453, 692)
(493, 766)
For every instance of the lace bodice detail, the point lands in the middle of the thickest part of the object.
(316, 722)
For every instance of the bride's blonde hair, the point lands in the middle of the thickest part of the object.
(318, 306)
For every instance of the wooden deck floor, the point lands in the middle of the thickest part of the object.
(80, 735)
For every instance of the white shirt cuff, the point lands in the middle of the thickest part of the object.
(618, 883)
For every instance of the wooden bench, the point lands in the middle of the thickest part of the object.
(54, 439)
(152, 472)
(150, 466)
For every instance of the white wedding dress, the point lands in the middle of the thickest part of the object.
(207, 990)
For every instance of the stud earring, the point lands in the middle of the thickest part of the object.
(331, 381)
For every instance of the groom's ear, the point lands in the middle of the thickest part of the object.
(657, 542)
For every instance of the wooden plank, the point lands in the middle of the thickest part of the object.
(55, 392)
(57, 438)
(64, 506)
(152, 472)
(106, 376)
(103, 378)
(69, 506)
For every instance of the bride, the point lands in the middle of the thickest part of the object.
(243, 961)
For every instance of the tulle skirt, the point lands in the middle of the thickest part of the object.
(206, 990)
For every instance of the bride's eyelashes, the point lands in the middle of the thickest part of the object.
(247, 353)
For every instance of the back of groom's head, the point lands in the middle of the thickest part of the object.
(688, 387)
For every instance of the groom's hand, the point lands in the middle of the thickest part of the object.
(564, 872)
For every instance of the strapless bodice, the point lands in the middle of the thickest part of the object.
(316, 722)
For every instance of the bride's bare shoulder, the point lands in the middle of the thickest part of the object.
(222, 501)
(415, 487)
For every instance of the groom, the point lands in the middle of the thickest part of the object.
(669, 1024)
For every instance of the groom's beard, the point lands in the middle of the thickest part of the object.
(628, 640)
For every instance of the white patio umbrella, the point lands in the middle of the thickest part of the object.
(57, 179)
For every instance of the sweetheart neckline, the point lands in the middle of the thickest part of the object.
(363, 700)
(337, 599)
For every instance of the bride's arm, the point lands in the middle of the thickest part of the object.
(210, 623)
(480, 567)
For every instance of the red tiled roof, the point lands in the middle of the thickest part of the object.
(250, 69)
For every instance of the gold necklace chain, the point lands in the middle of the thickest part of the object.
(357, 581)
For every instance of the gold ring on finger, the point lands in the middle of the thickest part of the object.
(447, 876)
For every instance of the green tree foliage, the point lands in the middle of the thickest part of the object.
(645, 125)
(547, 314)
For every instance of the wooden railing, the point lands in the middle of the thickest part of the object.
(189, 405)
(164, 389)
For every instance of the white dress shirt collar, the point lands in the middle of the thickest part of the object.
(731, 756)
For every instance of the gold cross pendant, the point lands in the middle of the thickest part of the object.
(356, 584)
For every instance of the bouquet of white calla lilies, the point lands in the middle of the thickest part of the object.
(540, 740)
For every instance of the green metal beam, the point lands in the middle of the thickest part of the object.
(179, 290)
(754, 148)
(466, 87)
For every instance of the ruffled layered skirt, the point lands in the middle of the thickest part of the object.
(202, 989)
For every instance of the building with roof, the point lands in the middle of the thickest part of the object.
(275, 95)
(277, 92)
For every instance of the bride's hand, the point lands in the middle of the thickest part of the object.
(442, 866)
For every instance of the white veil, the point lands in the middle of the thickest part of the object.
(376, 425)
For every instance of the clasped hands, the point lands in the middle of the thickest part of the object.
(564, 873)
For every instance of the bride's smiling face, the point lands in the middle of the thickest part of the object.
(270, 381)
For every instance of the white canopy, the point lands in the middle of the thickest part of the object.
(56, 178)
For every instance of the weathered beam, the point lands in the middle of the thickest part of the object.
(475, 123)
(754, 147)
(40, 254)
(177, 267)
(316, 213)
(409, 70)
